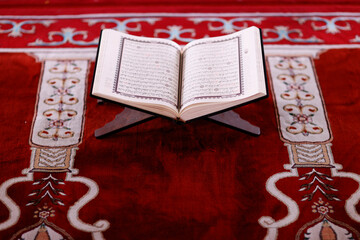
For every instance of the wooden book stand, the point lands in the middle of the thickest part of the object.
(129, 118)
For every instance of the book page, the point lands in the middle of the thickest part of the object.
(148, 70)
(138, 71)
(222, 72)
(212, 70)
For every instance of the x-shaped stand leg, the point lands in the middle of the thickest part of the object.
(129, 118)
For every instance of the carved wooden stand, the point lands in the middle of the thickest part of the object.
(129, 118)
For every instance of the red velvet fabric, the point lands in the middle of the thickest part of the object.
(161, 180)
(180, 7)
(50, 3)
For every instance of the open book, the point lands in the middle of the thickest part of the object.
(159, 76)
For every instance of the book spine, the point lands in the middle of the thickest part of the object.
(264, 61)
(181, 67)
(96, 63)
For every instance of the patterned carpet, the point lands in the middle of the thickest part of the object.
(159, 180)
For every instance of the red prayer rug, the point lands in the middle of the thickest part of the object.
(159, 180)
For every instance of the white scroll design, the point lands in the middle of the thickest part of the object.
(73, 214)
(292, 207)
(58, 134)
(14, 209)
(291, 77)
